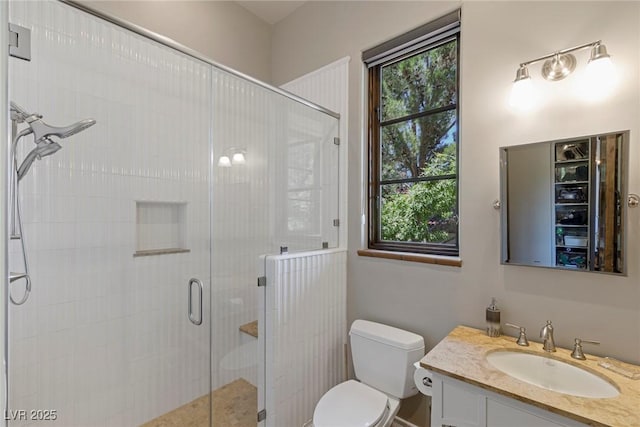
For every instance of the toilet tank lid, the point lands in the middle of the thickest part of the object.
(387, 335)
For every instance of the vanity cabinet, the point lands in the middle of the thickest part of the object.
(459, 404)
(571, 176)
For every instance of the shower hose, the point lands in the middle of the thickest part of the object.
(17, 219)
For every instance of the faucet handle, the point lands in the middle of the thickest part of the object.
(522, 338)
(577, 352)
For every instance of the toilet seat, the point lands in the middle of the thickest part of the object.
(351, 404)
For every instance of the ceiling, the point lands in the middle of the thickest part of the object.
(271, 11)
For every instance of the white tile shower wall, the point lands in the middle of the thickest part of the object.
(329, 86)
(306, 332)
(104, 338)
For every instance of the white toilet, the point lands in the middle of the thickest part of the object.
(383, 358)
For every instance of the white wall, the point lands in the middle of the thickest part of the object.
(496, 37)
(221, 30)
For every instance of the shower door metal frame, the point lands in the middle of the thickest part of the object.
(4, 206)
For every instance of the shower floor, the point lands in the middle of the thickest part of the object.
(234, 405)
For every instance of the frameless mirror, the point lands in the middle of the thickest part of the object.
(563, 203)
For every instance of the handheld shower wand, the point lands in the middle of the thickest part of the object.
(43, 149)
(45, 146)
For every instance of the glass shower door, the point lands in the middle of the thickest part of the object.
(274, 187)
(115, 331)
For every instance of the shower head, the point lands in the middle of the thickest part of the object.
(42, 135)
(47, 148)
(41, 130)
(43, 149)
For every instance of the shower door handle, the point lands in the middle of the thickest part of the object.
(195, 320)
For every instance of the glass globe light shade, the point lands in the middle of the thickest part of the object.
(522, 95)
(224, 162)
(238, 159)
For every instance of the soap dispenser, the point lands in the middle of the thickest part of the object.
(493, 319)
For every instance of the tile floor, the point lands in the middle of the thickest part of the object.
(234, 405)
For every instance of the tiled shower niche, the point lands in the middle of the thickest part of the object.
(160, 228)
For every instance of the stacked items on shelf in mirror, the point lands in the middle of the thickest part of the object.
(571, 182)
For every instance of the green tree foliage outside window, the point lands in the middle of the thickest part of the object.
(418, 134)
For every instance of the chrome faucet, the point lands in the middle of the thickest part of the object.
(546, 333)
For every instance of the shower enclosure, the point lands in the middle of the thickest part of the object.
(147, 232)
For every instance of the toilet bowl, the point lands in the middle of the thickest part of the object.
(352, 403)
(383, 358)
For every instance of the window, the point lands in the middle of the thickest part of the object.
(413, 140)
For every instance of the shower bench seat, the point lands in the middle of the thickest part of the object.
(250, 328)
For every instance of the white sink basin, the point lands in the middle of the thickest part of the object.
(551, 374)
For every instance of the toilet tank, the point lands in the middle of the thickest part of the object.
(383, 357)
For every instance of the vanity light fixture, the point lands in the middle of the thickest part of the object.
(559, 65)
(232, 157)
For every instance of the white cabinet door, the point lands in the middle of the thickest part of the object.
(458, 404)
(455, 403)
(505, 412)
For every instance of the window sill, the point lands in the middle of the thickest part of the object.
(407, 256)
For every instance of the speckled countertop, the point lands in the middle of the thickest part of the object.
(461, 355)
